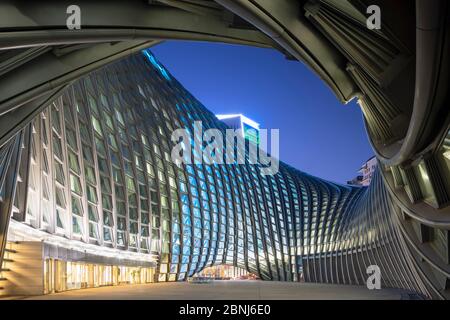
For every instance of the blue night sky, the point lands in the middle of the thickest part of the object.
(318, 134)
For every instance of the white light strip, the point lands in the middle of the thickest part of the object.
(227, 116)
(250, 122)
(244, 119)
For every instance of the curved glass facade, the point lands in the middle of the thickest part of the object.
(97, 169)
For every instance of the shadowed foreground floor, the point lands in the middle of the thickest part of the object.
(230, 290)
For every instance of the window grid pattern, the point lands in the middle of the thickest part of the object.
(103, 171)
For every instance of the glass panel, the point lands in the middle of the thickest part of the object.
(60, 198)
(93, 104)
(108, 218)
(71, 139)
(93, 214)
(133, 227)
(84, 132)
(77, 225)
(59, 219)
(96, 125)
(76, 206)
(73, 162)
(90, 175)
(93, 230)
(106, 202)
(57, 149)
(75, 185)
(91, 193)
(121, 223)
(106, 185)
(59, 173)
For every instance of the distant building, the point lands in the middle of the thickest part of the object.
(248, 127)
(366, 173)
(367, 170)
(357, 181)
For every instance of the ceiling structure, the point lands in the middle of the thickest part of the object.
(399, 74)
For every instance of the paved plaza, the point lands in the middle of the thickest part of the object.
(229, 290)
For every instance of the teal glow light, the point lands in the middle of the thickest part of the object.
(156, 64)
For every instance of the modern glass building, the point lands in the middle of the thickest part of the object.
(99, 200)
(249, 128)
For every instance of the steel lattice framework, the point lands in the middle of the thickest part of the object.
(97, 168)
(85, 157)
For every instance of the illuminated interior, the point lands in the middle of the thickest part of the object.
(62, 275)
(226, 272)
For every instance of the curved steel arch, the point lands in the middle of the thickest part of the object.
(407, 122)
